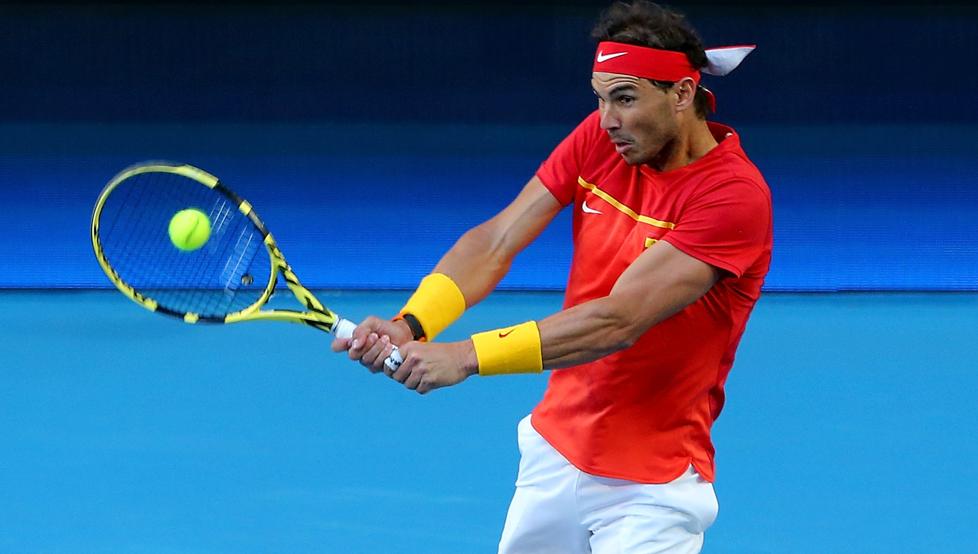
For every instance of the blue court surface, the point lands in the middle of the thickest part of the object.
(849, 427)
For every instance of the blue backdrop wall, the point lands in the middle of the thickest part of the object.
(370, 141)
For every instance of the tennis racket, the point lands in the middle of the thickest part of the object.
(231, 278)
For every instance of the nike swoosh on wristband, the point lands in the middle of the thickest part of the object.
(587, 210)
(506, 334)
(602, 57)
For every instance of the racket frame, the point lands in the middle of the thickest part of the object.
(317, 315)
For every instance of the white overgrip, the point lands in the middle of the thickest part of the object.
(344, 330)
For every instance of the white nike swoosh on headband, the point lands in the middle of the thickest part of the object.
(602, 57)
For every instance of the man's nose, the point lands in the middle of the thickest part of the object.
(609, 119)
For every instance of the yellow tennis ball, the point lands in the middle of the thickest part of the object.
(189, 229)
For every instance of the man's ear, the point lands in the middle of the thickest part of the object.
(685, 91)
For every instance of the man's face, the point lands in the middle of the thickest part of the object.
(639, 117)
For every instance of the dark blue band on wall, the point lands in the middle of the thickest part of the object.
(481, 63)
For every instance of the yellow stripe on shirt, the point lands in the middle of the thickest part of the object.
(623, 208)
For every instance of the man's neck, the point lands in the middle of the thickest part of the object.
(693, 142)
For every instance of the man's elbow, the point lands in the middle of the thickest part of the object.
(629, 319)
(622, 327)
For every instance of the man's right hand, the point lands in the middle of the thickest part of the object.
(373, 341)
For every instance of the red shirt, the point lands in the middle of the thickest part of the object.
(644, 413)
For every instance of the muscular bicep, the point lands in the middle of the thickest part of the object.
(659, 283)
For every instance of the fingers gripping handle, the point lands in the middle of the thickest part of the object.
(344, 330)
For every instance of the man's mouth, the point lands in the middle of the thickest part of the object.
(621, 145)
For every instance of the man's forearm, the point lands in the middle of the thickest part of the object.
(585, 333)
(481, 257)
(476, 263)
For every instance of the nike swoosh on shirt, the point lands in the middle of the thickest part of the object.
(602, 57)
(587, 210)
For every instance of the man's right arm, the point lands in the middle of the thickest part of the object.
(482, 256)
(477, 262)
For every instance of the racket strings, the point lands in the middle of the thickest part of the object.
(227, 274)
(119, 236)
(220, 214)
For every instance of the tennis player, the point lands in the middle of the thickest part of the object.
(672, 231)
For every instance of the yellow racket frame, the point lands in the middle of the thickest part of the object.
(318, 315)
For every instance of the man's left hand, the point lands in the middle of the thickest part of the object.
(430, 366)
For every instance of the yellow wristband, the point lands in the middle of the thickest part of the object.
(436, 304)
(509, 350)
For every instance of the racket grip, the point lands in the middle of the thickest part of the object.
(344, 330)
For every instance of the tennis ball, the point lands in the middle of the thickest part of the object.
(189, 229)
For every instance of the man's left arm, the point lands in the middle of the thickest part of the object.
(659, 283)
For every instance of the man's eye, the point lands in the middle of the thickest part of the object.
(626, 100)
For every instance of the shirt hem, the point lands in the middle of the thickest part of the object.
(597, 472)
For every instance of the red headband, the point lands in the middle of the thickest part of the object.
(641, 61)
(666, 65)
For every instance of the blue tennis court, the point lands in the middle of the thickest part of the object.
(848, 428)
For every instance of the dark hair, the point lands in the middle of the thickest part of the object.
(643, 23)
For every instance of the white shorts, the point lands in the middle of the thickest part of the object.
(559, 509)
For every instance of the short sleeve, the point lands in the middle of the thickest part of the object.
(727, 227)
(560, 171)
